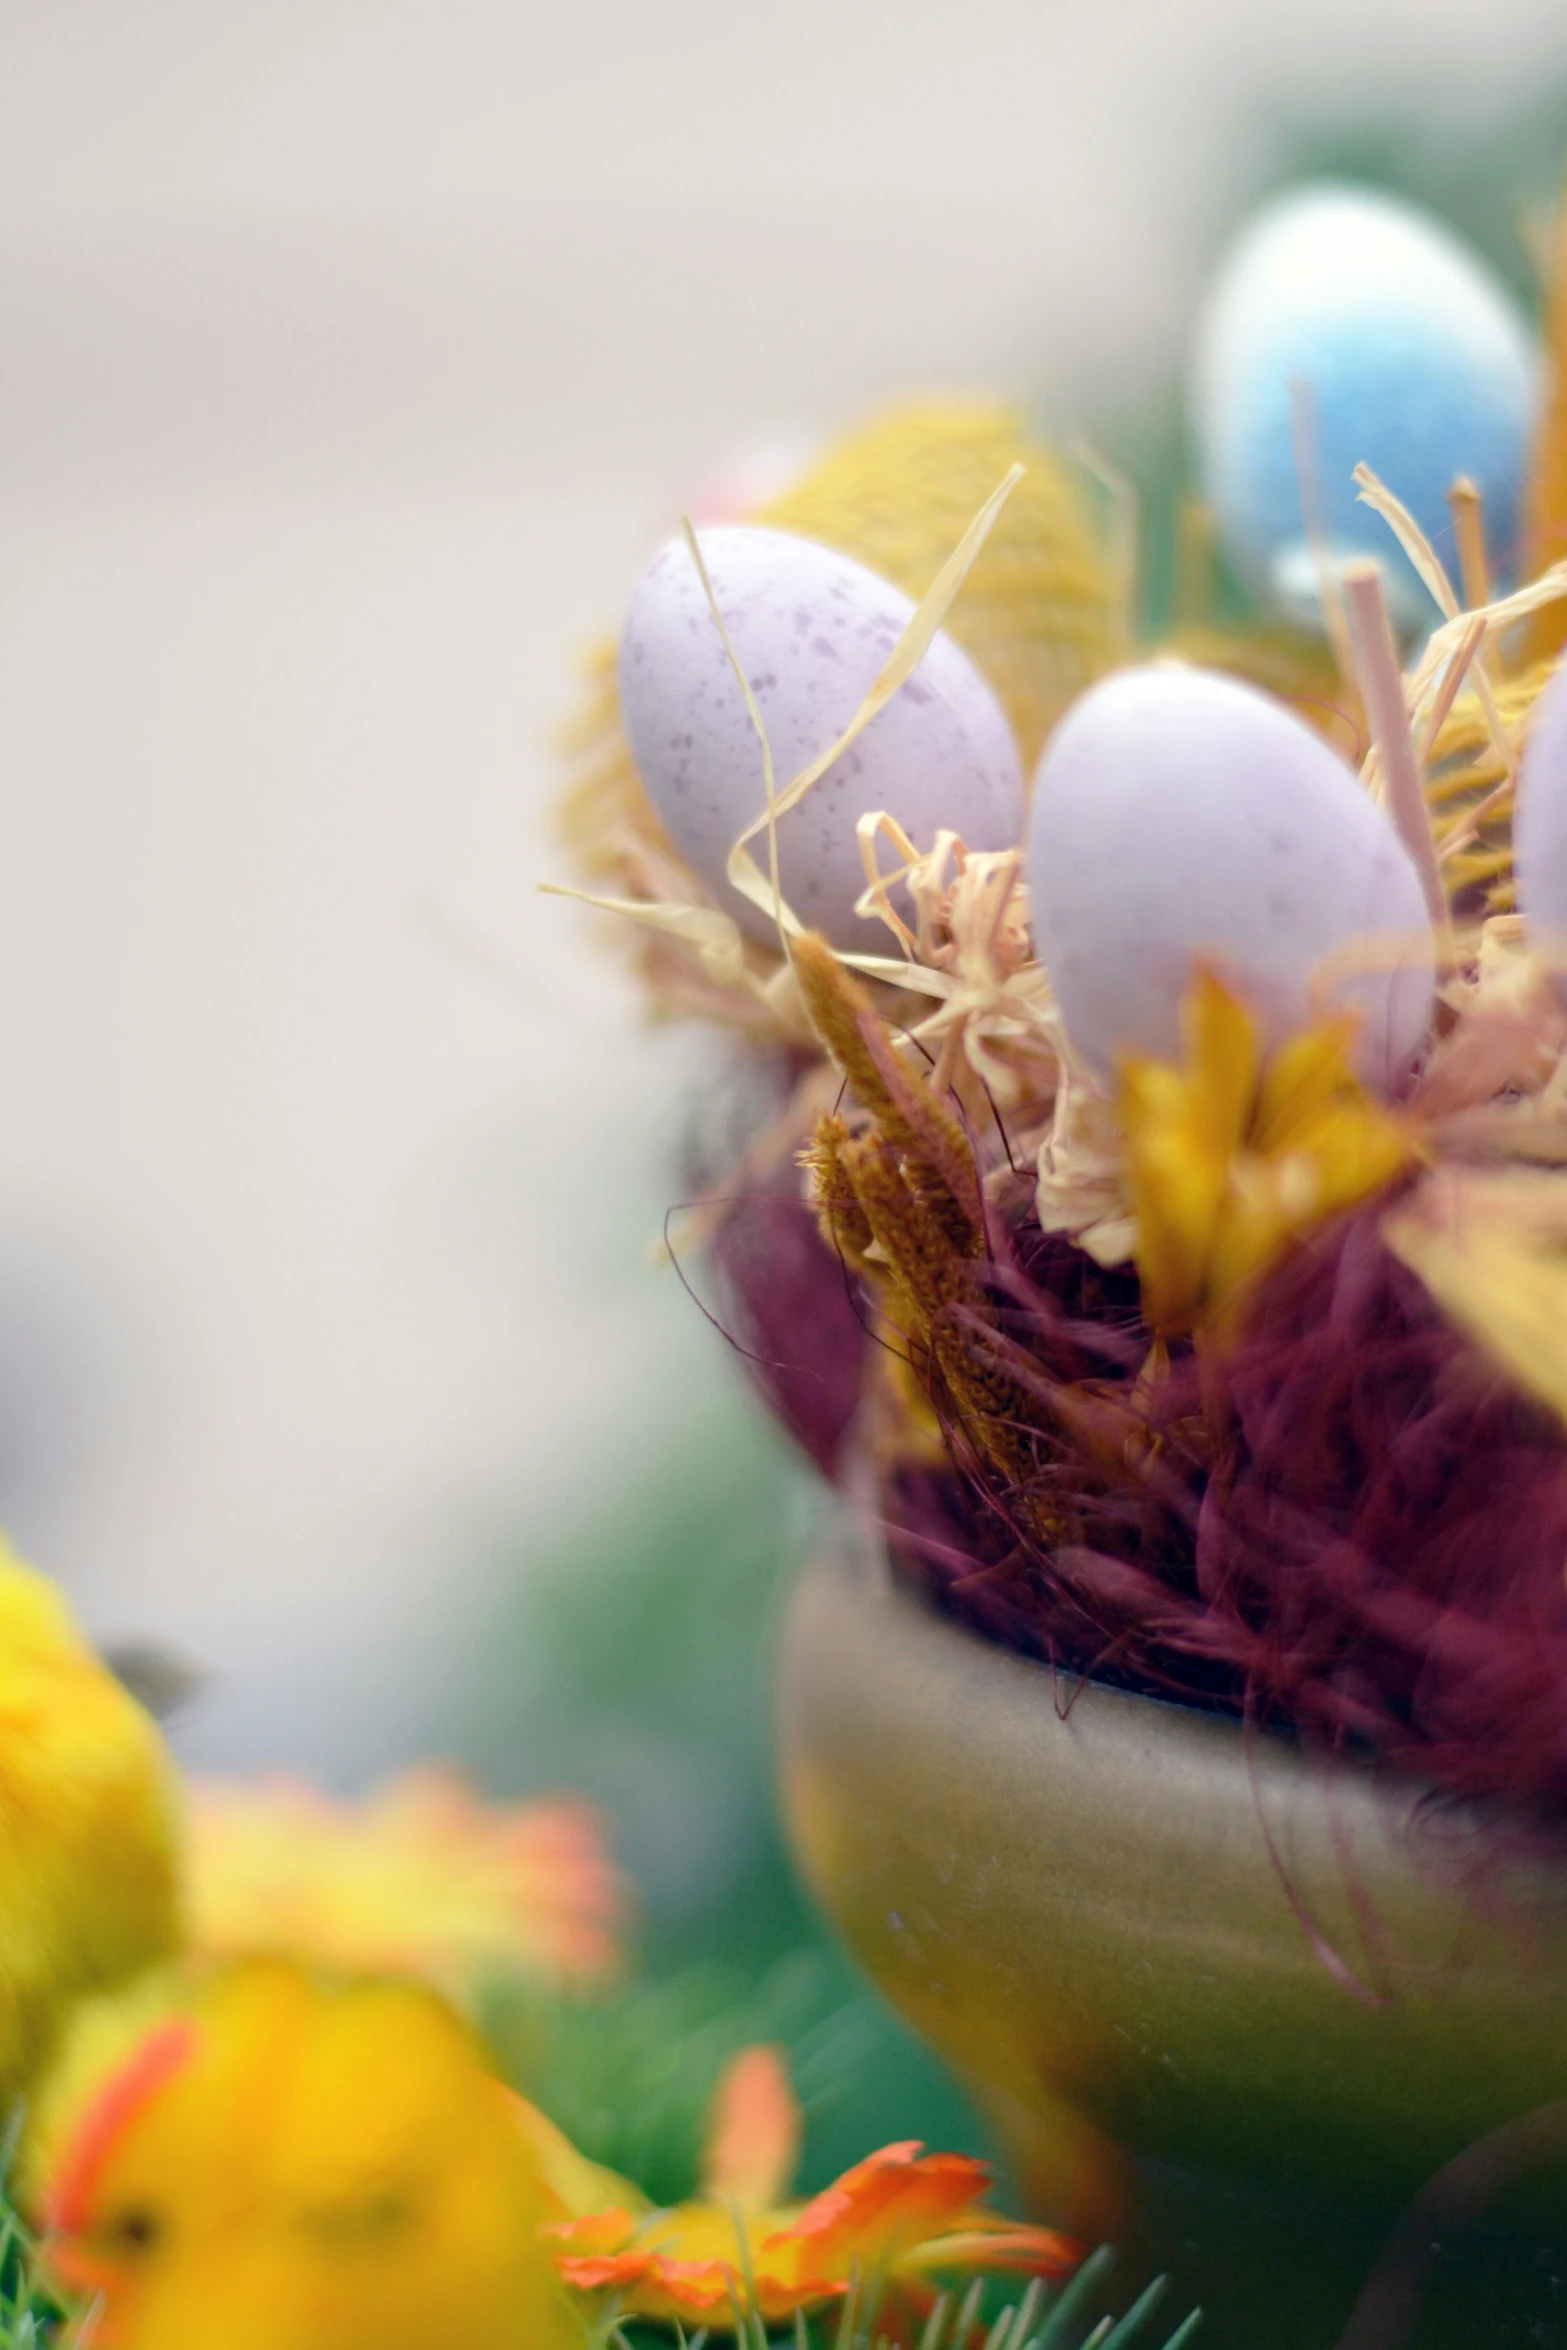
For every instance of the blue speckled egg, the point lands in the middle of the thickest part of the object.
(812, 630)
(1420, 364)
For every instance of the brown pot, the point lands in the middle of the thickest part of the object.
(1146, 1941)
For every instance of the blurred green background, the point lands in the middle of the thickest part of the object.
(633, 1663)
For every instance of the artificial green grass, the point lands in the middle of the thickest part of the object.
(29, 2315)
(31, 2318)
(1040, 2320)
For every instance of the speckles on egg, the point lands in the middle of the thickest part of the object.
(1178, 816)
(812, 630)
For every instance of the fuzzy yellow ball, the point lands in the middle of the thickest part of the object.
(88, 1813)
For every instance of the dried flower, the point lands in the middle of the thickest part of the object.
(1082, 1174)
(893, 2223)
(998, 1024)
(1232, 1156)
(421, 1878)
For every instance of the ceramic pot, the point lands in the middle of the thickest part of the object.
(1155, 1948)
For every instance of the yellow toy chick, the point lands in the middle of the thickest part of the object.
(289, 2163)
(88, 1823)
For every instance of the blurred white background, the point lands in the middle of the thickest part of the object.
(350, 354)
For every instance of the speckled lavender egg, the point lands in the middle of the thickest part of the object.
(1540, 826)
(1180, 815)
(812, 629)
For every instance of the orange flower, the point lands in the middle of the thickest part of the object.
(287, 2166)
(421, 1878)
(894, 2222)
(1232, 1156)
(274, 2164)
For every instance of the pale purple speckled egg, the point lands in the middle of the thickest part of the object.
(1180, 815)
(811, 629)
(1540, 827)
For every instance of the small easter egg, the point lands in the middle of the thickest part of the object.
(1414, 359)
(812, 630)
(1180, 816)
(1540, 824)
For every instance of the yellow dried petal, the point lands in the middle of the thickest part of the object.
(1268, 1201)
(1220, 1037)
(1230, 1158)
(1492, 1249)
(1306, 1072)
(1177, 1182)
